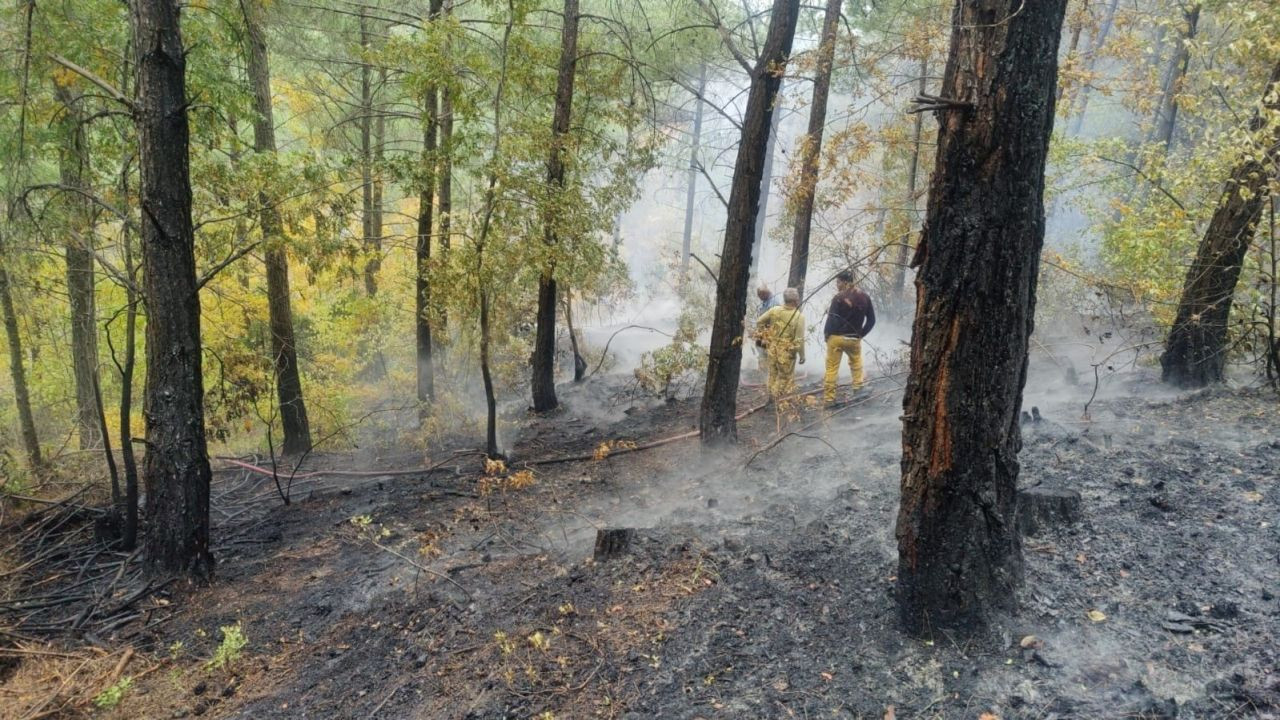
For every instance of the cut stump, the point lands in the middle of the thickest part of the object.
(612, 543)
(1041, 507)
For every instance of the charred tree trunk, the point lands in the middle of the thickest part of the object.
(126, 367)
(284, 353)
(1195, 351)
(1167, 111)
(716, 422)
(913, 175)
(73, 166)
(691, 185)
(959, 554)
(811, 149)
(176, 464)
(544, 349)
(1082, 102)
(426, 198)
(18, 371)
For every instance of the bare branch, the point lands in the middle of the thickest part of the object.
(88, 75)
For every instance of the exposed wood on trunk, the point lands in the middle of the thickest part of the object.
(544, 349)
(1195, 352)
(73, 169)
(811, 149)
(913, 176)
(691, 183)
(716, 421)
(959, 554)
(176, 464)
(284, 353)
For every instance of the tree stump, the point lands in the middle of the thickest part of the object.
(1044, 506)
(612, 543)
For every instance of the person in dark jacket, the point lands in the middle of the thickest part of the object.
(849, 319)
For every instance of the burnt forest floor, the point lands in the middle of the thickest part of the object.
(759, 584)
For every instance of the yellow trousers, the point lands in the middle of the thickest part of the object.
(838, 345)
(782, 374)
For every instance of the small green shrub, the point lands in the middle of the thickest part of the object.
(233, 642)
(111, 697)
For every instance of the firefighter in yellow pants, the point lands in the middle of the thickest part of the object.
(849, 319)
(850, 347)
(781, 329)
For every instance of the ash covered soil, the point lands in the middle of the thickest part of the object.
(760, 590)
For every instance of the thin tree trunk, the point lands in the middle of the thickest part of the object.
(126, 392)
(1082, 101)
(959, 553)
(73, 167)
(1076, 28)
(766, 182)
(176, 464)
(18, 372)
(1195, 352)
(544, 349)
(1167, 111)
(368, 215)
(691, 185)
(481, 238)
(129, 539)
(579, 363)
(284, 353)
(811, 149)
(445, 191)
(379, 156)
(913, 175)
(724, 364)
(422, 254)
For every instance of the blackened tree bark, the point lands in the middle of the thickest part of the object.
(17, 369)
(176, 464)
(422, 254)
(1167, 110)
(73, 168)
(959, 554)
(1196, 349)
(544, 348)
(913, 176)
(811, 149)
(691, 186)
(284, 353)
(126, 367)
(716, 423)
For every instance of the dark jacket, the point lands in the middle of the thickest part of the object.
(850, 314)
